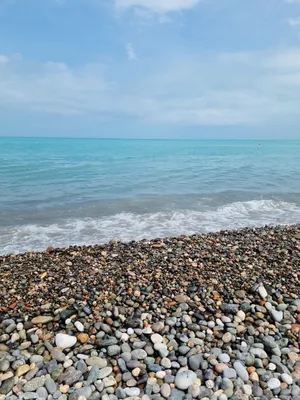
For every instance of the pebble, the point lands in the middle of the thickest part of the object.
(182, 318)
(65, 341)
(241, 371)
(78, 325)
(287, 378)
(273, 383)
(185, 379)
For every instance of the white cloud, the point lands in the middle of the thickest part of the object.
(3, 59)
(130, 52)
(232, 89)
(293, 21)
(157, 6)
(283, 60)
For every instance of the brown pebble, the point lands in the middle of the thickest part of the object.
(83, 338)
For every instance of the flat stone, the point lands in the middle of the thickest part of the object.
(58, 355)
(85, 392)
(276, 315)
(22, 370)
(185, 379)
(230, 308)
(36, 359)
(50, 385)
(241, 371)
(273, 383)
(78, 325)
(287, 378)
(262, 292)
(181, 298)
(108, 342)
(7, 386)
(34, 384)
(109, 381)
(42, 393)
(73, 378)
(138, 354)
(113, 350)
(224, 358)
(257, 352)
(156, 338)
(177, 394)
(4, 365)
(65, 341)
(227, 337)
(165, 390)
(42, 320)
(132, 391)
(157, 326)
(93, 375)
(195, 361)
(104, 372)
(28, 396)
(97, 361)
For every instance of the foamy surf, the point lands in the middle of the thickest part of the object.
(131, 226)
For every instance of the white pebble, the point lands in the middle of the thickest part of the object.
(273, 383)
(247, 389)
(160, 374)
(272, 367)
(65, 341)
(124, 337)
(68, 363)
(241, 315)
(130, 331)
(156, 338)
(287, 379)
(14, 337)
(20, 326)
(78, 325)
(262, 292)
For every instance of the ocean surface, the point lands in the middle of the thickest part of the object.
(60, 192)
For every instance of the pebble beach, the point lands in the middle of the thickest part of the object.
(213, 317)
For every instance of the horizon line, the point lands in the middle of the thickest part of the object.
(133, 138)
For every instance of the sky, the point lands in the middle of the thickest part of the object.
(150, 68)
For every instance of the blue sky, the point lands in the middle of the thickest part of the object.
(150, 68)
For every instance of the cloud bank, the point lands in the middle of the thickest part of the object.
(157, 6)
(221, 89)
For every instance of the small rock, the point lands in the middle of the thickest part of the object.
(65, 341)
(185, 379)
(42, 320)
(273, 383)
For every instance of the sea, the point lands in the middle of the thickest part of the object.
(60, 192)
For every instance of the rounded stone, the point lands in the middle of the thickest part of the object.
(241, 371)
(132, 391)
(287, 378)
(78, 325)
(273, 383)
(165, 390)
(138, 354)
(227, 337)
(104, 372)
(4, 365)
(65, 341)
(185, 379)
(224, 358)
(156, 338)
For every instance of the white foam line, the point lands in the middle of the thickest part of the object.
(130, 226)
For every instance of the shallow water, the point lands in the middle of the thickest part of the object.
(84, 191)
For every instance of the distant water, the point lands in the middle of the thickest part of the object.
(59, 192)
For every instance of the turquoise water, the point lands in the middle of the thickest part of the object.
(83, 191)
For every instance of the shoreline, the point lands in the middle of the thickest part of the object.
(209, 316)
